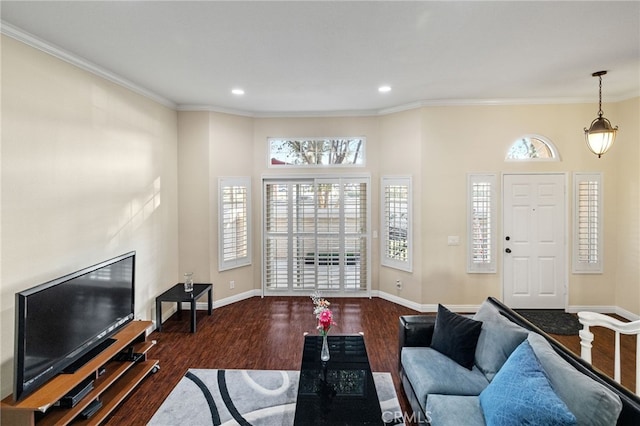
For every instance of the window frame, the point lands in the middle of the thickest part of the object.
(385, 182)
(555, 154)
(319, 233)
(579, 266)
(282, 165)
(490, 266)
(240, 261)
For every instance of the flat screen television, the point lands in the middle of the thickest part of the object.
(63, 323)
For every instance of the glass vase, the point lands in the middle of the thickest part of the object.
(324, 353)
(188, 282)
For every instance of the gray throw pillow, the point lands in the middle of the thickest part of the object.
(592, 403)
(498, 339)
(456, 336)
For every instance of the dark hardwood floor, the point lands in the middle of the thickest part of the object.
(259, 333)
(267, 333)
(602, 353)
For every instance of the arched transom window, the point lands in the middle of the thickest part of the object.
(532, 148)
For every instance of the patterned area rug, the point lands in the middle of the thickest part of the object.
(554, 321)
(247, 397)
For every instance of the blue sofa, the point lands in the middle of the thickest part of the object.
(495, 367)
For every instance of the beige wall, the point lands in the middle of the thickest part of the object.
(91, 170)
(231, 155)
(402, 134)
(193, 195)
(458, 140)
(88, 172)
(626, 155)
(438, 146)
(212, 145)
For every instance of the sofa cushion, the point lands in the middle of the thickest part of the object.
(456, 336)
(594, 404)
(431, 372)
(498, 339)
(454, 410)
(521, 394)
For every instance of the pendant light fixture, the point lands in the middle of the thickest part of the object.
(601, 134)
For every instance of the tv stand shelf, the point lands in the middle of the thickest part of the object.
(111, 387)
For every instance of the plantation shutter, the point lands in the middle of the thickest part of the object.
(316, 235)
(356, 240)
(587, 240)
(396, 226)
(481, 192)
(234, 223)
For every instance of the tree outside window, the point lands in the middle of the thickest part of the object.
(316, 152)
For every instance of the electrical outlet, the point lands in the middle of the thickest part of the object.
(232, 284)
(399, 284)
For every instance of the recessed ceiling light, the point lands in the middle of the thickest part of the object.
(384, 89)
(237, 92)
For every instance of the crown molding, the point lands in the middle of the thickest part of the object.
(82, 63)
(498, 102)
(209, 108)
(405, 107)
(278, 114)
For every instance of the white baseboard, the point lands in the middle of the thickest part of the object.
(398, 300)
(424, 308)
(602, 309)
(151, 328)
(627, 314)
(222, 302)
(430, 308)
(236, 298)
(205, 305)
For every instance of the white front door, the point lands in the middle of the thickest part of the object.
(534, 248)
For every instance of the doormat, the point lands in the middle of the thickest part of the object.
(553, 321)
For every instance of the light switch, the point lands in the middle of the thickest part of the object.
(453, 240)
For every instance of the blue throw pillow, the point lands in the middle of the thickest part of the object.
(520, 394)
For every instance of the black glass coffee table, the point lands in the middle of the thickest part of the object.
(340, 391)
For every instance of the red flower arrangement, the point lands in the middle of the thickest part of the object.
(323, 314)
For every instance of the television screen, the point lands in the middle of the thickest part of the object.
(60, 321)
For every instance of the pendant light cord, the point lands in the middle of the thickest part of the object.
(600, 101)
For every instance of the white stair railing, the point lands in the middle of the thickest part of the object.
(594, 319)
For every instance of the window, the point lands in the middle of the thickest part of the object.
(316, 152)
(481, 225)
(234, 232)
(316, 235)
(532, 148)
(396, 238)
(587, 223)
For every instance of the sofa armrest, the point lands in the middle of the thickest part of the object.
(414, 330)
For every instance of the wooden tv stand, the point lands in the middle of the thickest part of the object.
(111, 385)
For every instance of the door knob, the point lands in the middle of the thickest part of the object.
(508, 250)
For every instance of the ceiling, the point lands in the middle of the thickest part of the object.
(330, 57)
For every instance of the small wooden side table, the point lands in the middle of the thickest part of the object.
(178, 295)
